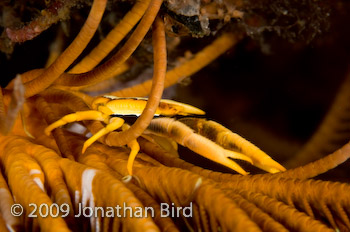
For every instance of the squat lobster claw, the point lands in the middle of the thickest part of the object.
(233, 142)
(213, 141)
(218, 148)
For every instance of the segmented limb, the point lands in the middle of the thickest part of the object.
(70, 54)
(332, 133)
(114, 123)
(26, 77)
(2, 113)
(232, 141)
(320, 166)
(129, 136)
(169, 145)
(185, 136)
(78, 116)
(159, 46)
(112, 39)
(107, 68)
(105, 81)
(14, 103)
(135, 148)
(47, 111)
(200, 60)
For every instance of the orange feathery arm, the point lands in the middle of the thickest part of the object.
(107, 69)
(200, 60)
(12, 104)
(159, 45)
(6, 201)
(319, 166)
(70, 54)
(113, 38)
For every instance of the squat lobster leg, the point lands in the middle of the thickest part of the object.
(78, 116)
(135, 148)
(114, 123)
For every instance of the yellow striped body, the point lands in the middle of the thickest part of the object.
(112, 105)
(206, 138)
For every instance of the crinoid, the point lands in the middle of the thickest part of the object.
(71, 161)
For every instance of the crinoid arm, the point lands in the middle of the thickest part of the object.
(167, 144)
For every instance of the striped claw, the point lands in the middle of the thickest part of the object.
(222, 147)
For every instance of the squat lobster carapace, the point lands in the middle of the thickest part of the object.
(109, 108)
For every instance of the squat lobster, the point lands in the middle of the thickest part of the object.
(108, 108)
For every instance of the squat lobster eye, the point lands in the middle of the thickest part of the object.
(218, 149)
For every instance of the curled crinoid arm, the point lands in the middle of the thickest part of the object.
(6, 201)
(49, 75)
(27, 180)
(112, 39)
(93, 187)
(108, 106)
(234, 142)
(169, 145)
(199, 60)
(15, 105)
(185, 136)
(107, 69)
